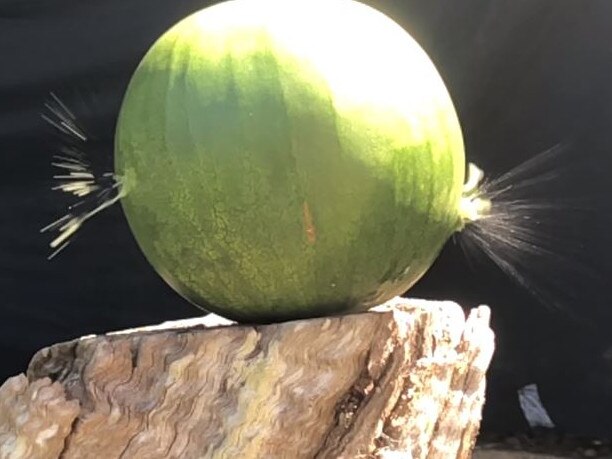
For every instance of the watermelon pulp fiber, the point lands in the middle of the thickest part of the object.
(286, 159)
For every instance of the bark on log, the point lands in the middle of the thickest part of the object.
(404, 380)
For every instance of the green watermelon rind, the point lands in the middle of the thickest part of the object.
(258, 194)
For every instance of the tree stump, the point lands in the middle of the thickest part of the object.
(405, 380)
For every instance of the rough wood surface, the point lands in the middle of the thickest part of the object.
(404, 380)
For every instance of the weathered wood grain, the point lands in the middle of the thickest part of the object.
(406, 379)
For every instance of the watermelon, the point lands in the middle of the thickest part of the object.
(289, 159)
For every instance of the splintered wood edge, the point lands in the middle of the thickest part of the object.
(419, 388)
(35, 418)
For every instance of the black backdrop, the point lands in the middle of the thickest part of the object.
(524, 74)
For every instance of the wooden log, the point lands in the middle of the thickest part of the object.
(405, 380)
